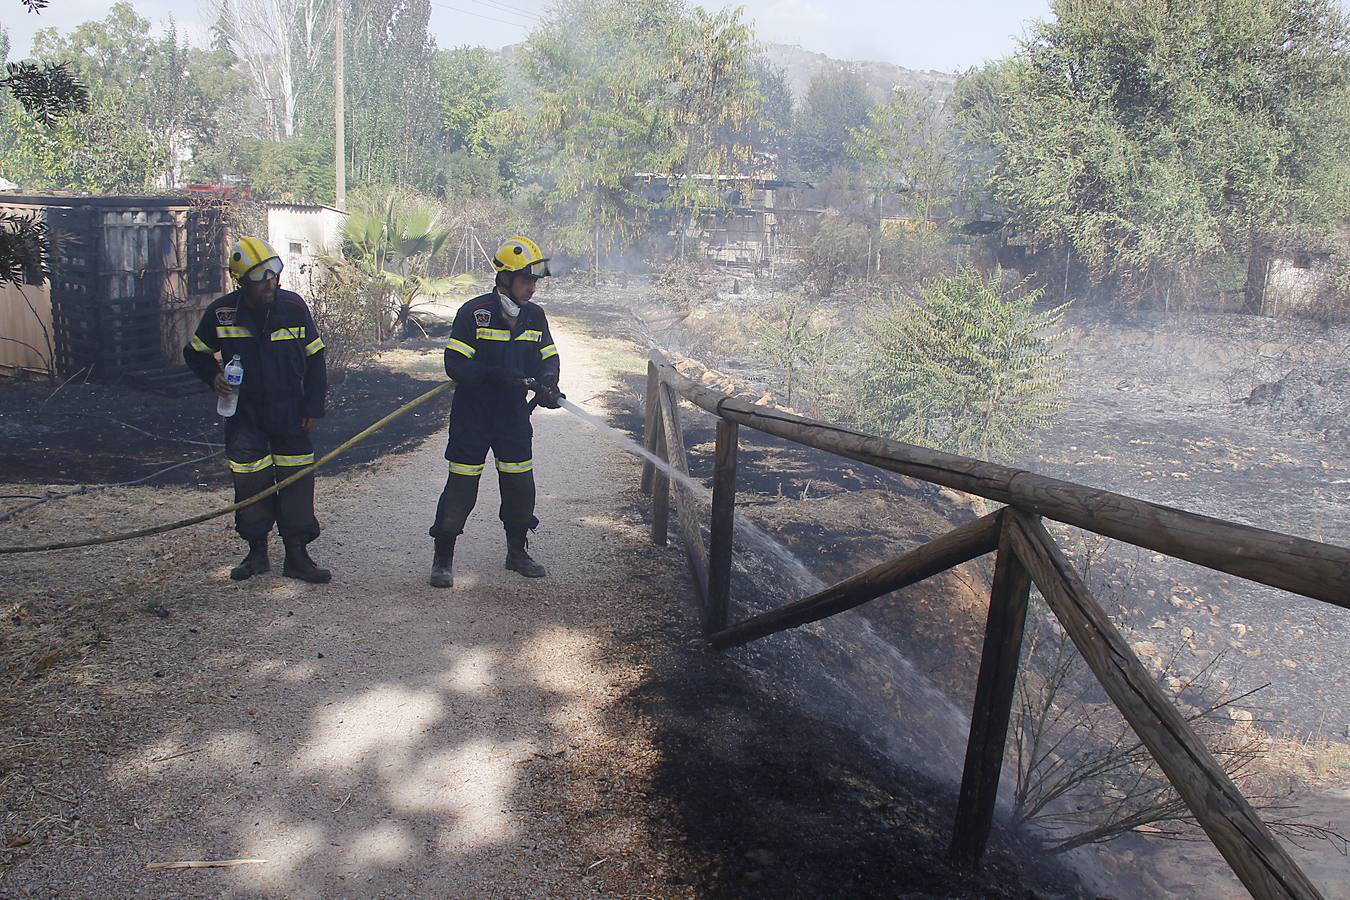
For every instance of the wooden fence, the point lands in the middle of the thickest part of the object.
(1026, 553)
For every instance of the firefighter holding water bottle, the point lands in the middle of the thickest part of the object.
(270, 335)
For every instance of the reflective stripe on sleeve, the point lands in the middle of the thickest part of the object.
(232, 331)
(314, 346)
(515, 468)
(200, 345)
(466, 469)
(303, 459)
(535, 336)
(549, 351)
(246, 468)
(289, 334)
(461, 347)
(494, 334)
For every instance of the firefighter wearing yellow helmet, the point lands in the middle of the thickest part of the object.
(272, 333)
(500, 347)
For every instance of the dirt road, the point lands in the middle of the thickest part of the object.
(372, 736)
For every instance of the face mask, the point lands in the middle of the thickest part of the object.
(509, 306)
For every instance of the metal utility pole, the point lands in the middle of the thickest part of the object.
(340, 111)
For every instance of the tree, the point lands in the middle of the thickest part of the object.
(282, 45)
(621, 88)
(229, 123)
(144, 80)
(47, 92)
(45, 95)
(301, 169)
(92, 152)
(392, 100)
(834, 253)
(471, 89)
(971, 369)
(836, 102)
(788, 337)
(766, 135)
(715, 97)
(1149, 138)
(596, 70)
(907, 147)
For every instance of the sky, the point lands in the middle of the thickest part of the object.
(951, 36)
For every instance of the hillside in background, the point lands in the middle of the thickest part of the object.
(801, 66)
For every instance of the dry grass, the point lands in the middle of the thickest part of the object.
(1314, 761)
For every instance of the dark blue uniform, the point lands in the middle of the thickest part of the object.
(487, 356)
(285, 381)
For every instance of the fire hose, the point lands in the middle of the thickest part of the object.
(261, 495)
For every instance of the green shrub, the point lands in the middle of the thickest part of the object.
(972, 368)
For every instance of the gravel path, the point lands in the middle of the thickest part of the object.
(369, 737)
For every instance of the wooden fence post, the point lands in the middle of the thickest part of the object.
(993, 704)
(660, 487)
(1264, 866)
(687, 507)
(651, 425)
(721, 538)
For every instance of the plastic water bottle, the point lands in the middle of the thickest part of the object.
(234, 376)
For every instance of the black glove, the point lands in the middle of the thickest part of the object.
(549, 396)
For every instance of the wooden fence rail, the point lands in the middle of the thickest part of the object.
(1025, 554)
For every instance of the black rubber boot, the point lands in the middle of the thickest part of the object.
(442, 564)
(299, 565)
(517, 560)
(256, 563)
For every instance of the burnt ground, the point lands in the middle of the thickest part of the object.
(1236, 417)
(94, 433)
(770, 801)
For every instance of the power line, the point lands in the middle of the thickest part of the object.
(506, 7)
(469, 12)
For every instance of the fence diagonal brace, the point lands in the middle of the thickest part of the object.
(938, 555)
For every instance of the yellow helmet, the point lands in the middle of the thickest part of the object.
(255, 256)
(520, 254)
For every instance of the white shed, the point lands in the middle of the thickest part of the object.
(302, 233)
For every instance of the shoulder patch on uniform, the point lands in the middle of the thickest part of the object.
(482, 317)
(225, 315)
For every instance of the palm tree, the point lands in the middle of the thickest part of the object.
(392, 236)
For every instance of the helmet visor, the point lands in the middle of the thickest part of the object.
(537, 269)
(270, 268)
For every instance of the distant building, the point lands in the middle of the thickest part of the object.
(753, 224)
(303, 234)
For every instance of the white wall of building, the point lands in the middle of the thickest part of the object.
(302, 235)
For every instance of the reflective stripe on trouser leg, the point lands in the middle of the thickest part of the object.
(295, 503)
(457, 501)
(252, 467)
(517, 510)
